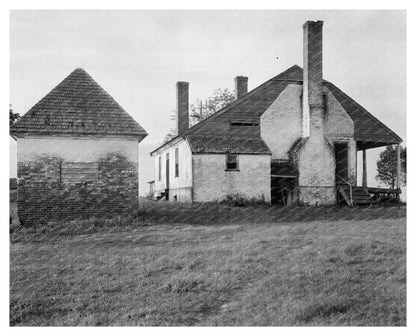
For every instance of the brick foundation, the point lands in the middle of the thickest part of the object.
(317, 195)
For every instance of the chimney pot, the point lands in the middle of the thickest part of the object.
(182, 107)
(241, 85)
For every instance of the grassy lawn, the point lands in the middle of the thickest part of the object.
(324, 270)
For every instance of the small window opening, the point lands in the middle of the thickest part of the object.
(242, 123)
(325, 103)
(232, 162)
(177, 162)
(160, 168)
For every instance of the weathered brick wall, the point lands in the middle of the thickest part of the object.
(212, 182)
(339, 127)
(43, 195)
(281, 123)
(338, 124)
(316, 165)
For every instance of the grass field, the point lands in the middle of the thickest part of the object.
(253, 267)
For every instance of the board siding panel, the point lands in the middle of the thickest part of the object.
(79, 171)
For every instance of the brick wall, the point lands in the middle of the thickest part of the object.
(44, 196)
(212, 182)
(281, 123)
(316, 164)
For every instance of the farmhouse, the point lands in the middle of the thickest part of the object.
(293, 139)
(77, 154)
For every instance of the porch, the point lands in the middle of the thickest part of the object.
(350, 193)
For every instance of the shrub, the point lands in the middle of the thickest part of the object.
(241, 200)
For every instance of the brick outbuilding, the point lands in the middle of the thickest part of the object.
(77, 154)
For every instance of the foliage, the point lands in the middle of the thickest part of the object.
(387, 166)
(170, 135)
(202, 110)
(13, 116)
(241, 200)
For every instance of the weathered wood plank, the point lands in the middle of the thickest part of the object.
(67, 165)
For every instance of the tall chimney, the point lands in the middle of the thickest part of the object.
(312, 79)
(241, 84)
(182, 107)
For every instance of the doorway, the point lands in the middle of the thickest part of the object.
(167, 177)
(341, 160)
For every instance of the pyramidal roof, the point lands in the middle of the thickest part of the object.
(77, 106)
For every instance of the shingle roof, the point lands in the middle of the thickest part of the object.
(227, 144)
(367, 128)
(78, 106)
(249, 108)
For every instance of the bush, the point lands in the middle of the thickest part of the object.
(241, 200)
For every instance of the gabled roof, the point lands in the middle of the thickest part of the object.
(78, 106)
(249, 108)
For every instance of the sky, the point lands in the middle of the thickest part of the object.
(138, 56)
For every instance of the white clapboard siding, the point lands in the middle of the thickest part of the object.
(79, 171)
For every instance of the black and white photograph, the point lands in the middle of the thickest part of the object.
(207, 167)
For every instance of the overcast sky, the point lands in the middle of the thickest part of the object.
(138, 56)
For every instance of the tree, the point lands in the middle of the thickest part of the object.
(387, 166)
(13, 116)
(202, 110)
(170, 135)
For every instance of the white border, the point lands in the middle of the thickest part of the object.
(213, 4)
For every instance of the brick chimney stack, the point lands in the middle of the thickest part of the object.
(316, 159)
(312, 80)
(241, 85)
(182, 107)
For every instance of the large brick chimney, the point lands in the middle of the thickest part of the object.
(182, 107)
(241, 86)
(316, 160)
(312, 79)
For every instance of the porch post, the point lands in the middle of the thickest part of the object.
(399, 166)
(364, 169)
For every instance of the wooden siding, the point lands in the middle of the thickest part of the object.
(79, 171)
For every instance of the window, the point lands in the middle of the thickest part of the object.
(232, 162)
(244, 127)
(79, 171)
(244, 123)
(325, 104)
(177, 162)
(160, 168)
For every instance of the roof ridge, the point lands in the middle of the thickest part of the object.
(232, 105)
(216, 114)
(281, 75)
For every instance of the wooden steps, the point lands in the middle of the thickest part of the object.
(360, 196)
